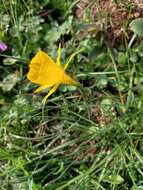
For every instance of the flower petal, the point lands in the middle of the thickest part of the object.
(71, 57)
(50, 92)
(40, 88)
(59, 55)
(3, 46)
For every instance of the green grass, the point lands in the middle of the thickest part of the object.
(87, 138)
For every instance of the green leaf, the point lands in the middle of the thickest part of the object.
(140, 50)
(59, 4)
(66, 88)
(9, 82)
(114, 179)
(137, 26)
(56, 31)
(133, 57)
(101, 81)
(9, 61)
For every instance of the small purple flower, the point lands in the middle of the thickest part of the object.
(3, 46)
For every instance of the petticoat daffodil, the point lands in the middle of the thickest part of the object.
(48, 74)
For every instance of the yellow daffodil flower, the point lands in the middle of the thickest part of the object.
(45, 72)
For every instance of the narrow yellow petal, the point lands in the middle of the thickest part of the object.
(71, 57)
(42, 87)
(68, 80)
(50, 92)
(59, 55)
